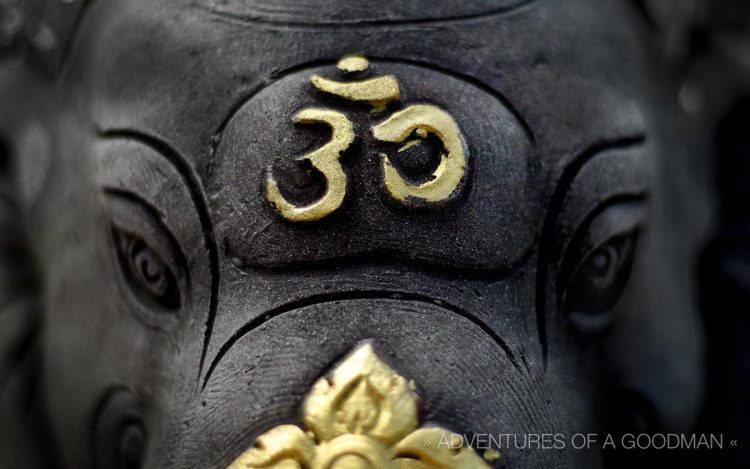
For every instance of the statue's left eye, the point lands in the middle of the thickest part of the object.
(148, 275)
(599, 280)
(595, 270)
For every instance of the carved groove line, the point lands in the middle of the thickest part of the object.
(364, 295)
(375, 258)
(247, 19)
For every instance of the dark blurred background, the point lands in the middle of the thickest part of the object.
(705, 45)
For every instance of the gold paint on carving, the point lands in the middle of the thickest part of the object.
(326, 160)
(422, 119)
(364, 417)
(378, 91)
(353, 64)
(418, 120)
(491, 455)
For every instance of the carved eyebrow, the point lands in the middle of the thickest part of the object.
(554, 207)
(194, 186)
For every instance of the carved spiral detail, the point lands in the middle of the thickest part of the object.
(352, 452)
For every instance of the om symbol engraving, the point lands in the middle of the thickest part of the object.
(326, 160)
(416, 121)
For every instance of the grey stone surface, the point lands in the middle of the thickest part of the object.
(174, 314)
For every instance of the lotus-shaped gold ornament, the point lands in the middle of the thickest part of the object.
(365, 417)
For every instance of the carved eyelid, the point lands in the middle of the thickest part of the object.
(601, 226)
(130, 169)
(556, 233)
(616, 217)
(609, 176)
(138, 162)
(125, 206)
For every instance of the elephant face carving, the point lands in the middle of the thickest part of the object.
(346, 238)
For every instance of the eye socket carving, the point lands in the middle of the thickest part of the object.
(146, 272)
(600, 278)
(596, 268)
(151, 264)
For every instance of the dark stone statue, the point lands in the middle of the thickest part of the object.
(359, 234)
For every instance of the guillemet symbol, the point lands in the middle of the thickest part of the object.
(364, 417)
(408, 127)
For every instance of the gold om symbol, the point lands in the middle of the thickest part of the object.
(418, 119)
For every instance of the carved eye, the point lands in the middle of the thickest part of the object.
(146, 271)
(153, 267)
(600, 278)
(596, 268)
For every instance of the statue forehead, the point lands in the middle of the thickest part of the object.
(178, 69)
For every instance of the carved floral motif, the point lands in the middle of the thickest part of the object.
(365, 417)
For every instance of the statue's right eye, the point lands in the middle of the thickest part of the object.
(151, 264)
(146, 272)
(600, 277)
(597, 265)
